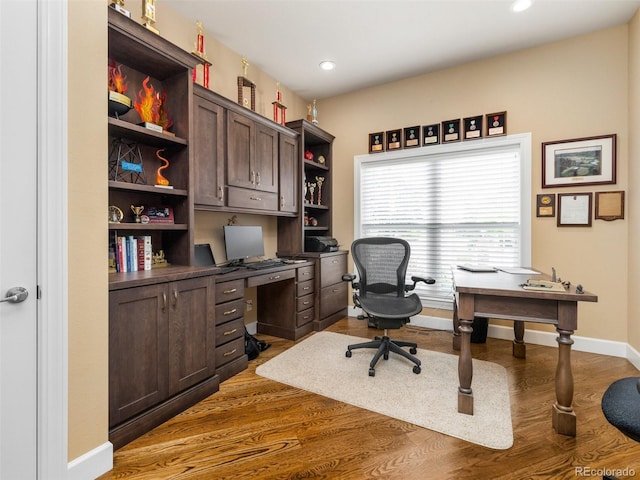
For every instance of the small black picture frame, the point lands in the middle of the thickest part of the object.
(473, 127)
(376, 142)
(496, 124)
(431, 134)
(451, 131)
(411, 136)
(394, 139)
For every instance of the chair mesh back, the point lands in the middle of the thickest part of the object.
(382, 264)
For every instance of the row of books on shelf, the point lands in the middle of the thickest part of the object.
(131, 253)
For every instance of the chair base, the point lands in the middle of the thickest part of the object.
(384, 346)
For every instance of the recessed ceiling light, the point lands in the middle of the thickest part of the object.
(521, 5)
(327, 65)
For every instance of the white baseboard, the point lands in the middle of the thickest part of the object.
(535, 337)
(92, 464)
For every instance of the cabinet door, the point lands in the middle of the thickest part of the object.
(138, 359)
(289, 181)
(208, 126)
(191, 332)
(240, 151)
(266, 160)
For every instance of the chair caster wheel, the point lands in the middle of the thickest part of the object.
(416, 370)
(372, 372)
(348, 354)
(413, 351)
(386, 356)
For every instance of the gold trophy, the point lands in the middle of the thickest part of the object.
(118, 6)
(149, 15)
(137, 211)
(319, 181)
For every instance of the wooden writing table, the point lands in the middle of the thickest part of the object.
(500, 295)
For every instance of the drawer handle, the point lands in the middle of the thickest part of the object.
(221, 197)
(334, 261)
(306, 273)
(306, 288)
(306, 303)
(229, 312)
(257, 199)
(230, 332)
(233, 290)
(274, 277)
(336, 290)
(305, 317)
(226, 354)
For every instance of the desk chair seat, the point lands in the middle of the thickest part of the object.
(381, 292)
(621, 406)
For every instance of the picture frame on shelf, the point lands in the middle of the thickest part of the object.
(451, 131)
(411, 136)
(473, 127)
(546, 205)
(574, 209)
(394, 140)
(609, 205)
(431, 134)
(496, 124)
(376, 142)
(579, 161)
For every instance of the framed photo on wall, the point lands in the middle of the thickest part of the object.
(580, 161)
(574, 209)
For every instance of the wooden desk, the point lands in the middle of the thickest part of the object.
(500, 295)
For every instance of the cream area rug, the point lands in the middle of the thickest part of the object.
(430, 399)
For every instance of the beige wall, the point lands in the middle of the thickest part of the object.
(634, 179)
(565, 90)
(570, 89)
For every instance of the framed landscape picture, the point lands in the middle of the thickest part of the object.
(580, 161)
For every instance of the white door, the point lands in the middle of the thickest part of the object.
(18, 252)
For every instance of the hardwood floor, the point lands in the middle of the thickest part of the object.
(254, 428)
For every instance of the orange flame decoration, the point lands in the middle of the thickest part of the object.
(147, 107)
(163, 112)
(116, 79)
(160, 180)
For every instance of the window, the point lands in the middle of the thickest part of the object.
(460, 203)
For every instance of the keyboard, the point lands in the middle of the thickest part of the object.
(275, 262)
(223, 270)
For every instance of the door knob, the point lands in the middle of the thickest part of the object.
(15, 295)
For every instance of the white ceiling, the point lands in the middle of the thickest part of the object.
(378, 41)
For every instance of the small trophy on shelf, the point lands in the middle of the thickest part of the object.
(118, 6)
(202, 56)
(312, 188)
(137, 211)
(243, 82)
(319, 181)
(149, 15)
(279, 110)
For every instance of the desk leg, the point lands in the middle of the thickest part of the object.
(519, 348)
(465, 368)
(563, 416)
(456, 327)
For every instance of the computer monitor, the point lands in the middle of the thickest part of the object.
(242, 242)
(203, 255)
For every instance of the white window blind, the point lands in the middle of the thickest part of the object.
(453, 205)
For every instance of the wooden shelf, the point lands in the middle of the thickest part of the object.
(137, 187)
(121, 128)
(319, 166)
(315, 206)
(148, 226)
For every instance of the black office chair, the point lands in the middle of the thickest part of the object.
(381, 293)
(621, 408)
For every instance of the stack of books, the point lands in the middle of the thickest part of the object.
(131, 253)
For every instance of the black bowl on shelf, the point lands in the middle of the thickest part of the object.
(119, 104)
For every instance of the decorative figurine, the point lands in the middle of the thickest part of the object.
(119, 103)
(149, 15)
(312, 188)
(161, 181)
(309, 115)
(314, 113)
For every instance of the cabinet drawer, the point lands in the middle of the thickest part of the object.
(225, 312)
(305, 302)
(229, 331)
(227, 291)
(229, 351)
(270, 278)
(332, 269)
(306, 273)
(305, 288)
(333, 298)
(304, 317)
(252, 199)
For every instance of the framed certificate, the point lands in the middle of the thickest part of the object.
(473, 127)
(609, 205)
(431, 134)
(574, 209)
(411, 136)
(451, 131)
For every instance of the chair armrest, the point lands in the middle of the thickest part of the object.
(350, 277)
(428, 281)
